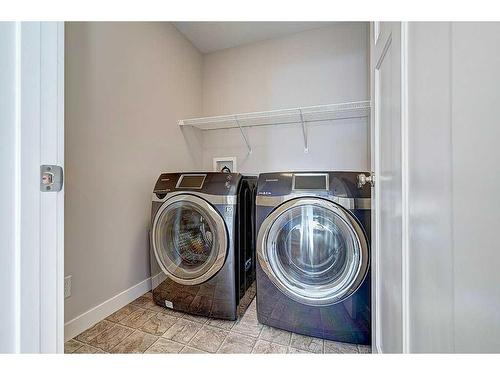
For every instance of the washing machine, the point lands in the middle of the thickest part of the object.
(313, 254)
(202, 242)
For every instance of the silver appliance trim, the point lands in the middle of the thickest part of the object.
(347, 203)
(359, 237)
(220, 230)
(211, 198)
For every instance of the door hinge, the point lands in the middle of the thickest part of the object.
(364, 179)
(51, 178)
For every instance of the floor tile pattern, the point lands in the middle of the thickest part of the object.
(144, 327)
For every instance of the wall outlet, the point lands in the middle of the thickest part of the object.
(67, 286)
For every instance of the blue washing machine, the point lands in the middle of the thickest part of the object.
(313, 254)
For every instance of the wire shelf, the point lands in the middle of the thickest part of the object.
(301, 115)
(326, 112)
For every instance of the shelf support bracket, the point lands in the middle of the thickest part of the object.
(243, 135)
(304, 131)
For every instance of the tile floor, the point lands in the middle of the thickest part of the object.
(144, 327)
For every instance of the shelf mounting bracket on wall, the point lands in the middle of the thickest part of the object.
(243, 134)
(304, 131)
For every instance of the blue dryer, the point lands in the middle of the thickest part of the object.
(313, 268)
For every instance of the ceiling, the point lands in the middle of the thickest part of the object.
(214, 36)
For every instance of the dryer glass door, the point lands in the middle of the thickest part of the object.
(314, 251)
(189, 239)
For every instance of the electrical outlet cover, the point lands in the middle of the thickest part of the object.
(67, 286)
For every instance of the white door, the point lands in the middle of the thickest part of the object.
(34, 129)
(388, 258)
(9, 247)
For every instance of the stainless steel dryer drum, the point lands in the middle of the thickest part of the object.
(313, 254)
(202, 247)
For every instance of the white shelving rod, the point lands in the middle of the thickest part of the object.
(304, 132)
(243, 135)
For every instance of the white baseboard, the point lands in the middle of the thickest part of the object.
(157, 279)
(86, 320)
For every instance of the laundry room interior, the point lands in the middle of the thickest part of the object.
(127, 87)
(269, 187)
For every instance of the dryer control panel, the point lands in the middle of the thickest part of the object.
(215, 183)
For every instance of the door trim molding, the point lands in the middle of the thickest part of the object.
(18, 185)
(405, 214)
(381, 43)
(40, 217)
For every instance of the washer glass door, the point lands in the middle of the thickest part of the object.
(189, 239)
(313, 251)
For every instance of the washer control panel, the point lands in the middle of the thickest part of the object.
(341, 184)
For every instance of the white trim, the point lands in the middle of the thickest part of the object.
(32, 249)
(376, 334)
(384, 42)
(376, 31)
(373, 151)
(60, 197)
(86, 320)
(405, 214)
(50, 37)
(17, 179)
(376, 216)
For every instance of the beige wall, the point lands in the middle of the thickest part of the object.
(126, 85)
(320, 66)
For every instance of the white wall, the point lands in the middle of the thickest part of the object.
(476, 185)
(126, 86)
(430, 190)
(454, 185)
(8, 196)
(321, 66)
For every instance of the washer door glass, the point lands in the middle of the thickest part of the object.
(315, 252)
(189, 239)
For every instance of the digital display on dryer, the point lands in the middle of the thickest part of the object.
(310, 182)
(191, 181)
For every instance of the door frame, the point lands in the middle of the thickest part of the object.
(375, 34)
(39, 127)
